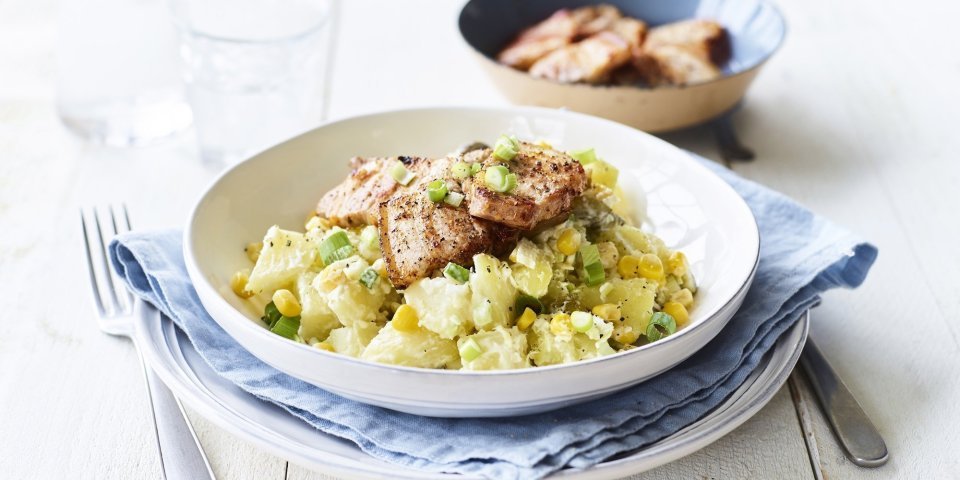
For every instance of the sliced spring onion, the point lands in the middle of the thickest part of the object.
(506, 147)
(287, 327)
(592, 272)
(400, 173)
(661, 325)
(511, 181)
(585, 156)
(369, 277)
(581, 321)
(475, 168)
(297, 338)
(453, 199)
(460, 170)
(470, 350)
(526, 301)
(436, 190)
(456, 273)
(499, 179)
(335, 247)
(271, 314)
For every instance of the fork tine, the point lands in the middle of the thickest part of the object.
(115, 307)
(126, 216)
(91, 270)
(127, 295)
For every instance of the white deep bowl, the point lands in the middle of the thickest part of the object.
(686, 204)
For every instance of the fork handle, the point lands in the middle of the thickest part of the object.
(861, 441)
(181, 456)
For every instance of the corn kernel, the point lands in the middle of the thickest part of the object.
(238, 283)
(526, 319)
(678, 312)
(253, 251)
(677, 263)
(568, 242)
(324, 346)
(625, 335)
(560, 324)
(628, 267)
(405, 319)
(683, 297)
(651, 267)
(608, 312)
(286, 303)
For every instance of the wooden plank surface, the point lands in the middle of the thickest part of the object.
(855, 117)
(875, 153)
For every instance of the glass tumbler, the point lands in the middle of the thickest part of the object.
(252, 71)
(117, 71)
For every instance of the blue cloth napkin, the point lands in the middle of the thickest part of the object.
(801, 256)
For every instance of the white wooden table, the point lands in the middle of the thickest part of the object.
(856, 117)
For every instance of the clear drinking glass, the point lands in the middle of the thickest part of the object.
(252, 70)
(117, 80)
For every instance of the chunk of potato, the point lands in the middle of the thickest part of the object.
(349, 299)
(442, 305)
(353, 340)
(316, 318)
(501, 349)
(285, 255)
(420, 348)
(549, 348)
(493, 293)
(531, 271)
(635, 297)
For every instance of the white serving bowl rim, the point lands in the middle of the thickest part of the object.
(201, 283)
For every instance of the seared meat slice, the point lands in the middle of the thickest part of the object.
(559, 30)
(705, 38)
(589, 61)
(674, 65)
(594, 19)
(547, 183)
(633, 31)
(356, 201)
(418, 237)
(523, 55)
(533, 43)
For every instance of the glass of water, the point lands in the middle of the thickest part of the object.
(117, 81)
(252, 71)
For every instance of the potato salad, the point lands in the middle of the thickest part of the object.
(581, 286)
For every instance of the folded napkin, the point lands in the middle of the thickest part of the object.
(801, 256)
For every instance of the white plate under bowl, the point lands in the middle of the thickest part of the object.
(171, 355)
(687, 205)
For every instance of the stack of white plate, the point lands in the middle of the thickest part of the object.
(672, 194)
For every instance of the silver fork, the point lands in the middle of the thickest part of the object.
(181, 456)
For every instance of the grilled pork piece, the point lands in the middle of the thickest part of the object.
(704, 38)
(593, 19)
(547, 183)
(533, 43)
(673, 65)
(557, 31)
(418, 237)
(589, 61)
(633, 31)
(356, 201)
